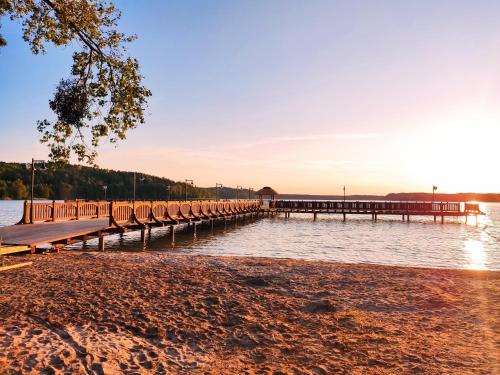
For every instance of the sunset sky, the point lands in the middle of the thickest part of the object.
(303, 96)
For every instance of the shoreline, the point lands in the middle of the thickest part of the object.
(150, 312)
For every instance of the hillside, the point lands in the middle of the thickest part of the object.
(73, 182)
(459, 197)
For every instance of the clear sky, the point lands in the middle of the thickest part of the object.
(304, 96)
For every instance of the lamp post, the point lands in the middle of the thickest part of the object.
(217, 186)
(344, 193)
(135, 177)
(249, 192)
(186, 191)
(105, 188)
(238, 188)
(434, 188)
(134, 186)
(33, 168)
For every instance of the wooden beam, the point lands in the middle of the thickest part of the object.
(13, 249)
(17, 265)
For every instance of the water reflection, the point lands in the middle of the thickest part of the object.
(476, 255)
(420, 243)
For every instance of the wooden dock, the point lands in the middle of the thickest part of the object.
(64, 223)
(375, 209)
(61, 224)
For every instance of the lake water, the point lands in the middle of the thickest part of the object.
(390, 241)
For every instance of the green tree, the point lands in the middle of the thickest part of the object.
(104, 96)
(4, 194)
(17, 190)
(42, 191)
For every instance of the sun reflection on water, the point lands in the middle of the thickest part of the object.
(476, 254)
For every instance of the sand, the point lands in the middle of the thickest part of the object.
(78, 312)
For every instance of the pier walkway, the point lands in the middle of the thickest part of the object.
(63, 223)
(403, 209)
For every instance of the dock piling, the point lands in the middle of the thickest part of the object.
(101, 243)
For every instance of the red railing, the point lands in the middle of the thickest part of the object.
(128, 211)
(379, 206)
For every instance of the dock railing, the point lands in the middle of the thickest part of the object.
(122, 211)
(388, 207)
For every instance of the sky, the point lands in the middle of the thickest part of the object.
(303, 96)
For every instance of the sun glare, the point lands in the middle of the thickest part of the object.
(456, 153)
(476, 255)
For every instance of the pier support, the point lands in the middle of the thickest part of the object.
(101, 243)
(143, 235)
(442, 219)
(194, 230)
(344, 216)
(407, 218)
(403, 218)
(172, 234)
(315, 216)
(435, 218)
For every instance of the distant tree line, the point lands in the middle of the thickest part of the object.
(79, 182)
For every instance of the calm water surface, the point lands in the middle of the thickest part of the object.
(358, 240)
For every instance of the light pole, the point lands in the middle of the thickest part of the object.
(249, 192)
(142, 179)
(238, 188)
(186, 191)
(134, 186)
(344, 193)
(105, 188)
(217, 186)
(33, 168)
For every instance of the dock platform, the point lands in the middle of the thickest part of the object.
(63, 223)
(404, 209)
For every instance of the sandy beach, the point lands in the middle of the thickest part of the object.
(78, 312)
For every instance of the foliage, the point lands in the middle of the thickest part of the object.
(104, 97)
(72, 182)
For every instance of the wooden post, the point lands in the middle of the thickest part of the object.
(315, 215)
(442, 219)
(466, 218)
(403, 217)
(435, 217)
(77, 209)
(143, 235)
(111, 206)
(101, 243)
(98, 210)
(344, 214)
(172, 233)
(53, 211)
(408, 218)
(194, 230)
(26, 216)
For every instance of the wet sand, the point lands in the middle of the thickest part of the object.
(78, 312)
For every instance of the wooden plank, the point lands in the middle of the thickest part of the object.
(17, 265)
(13, 249)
